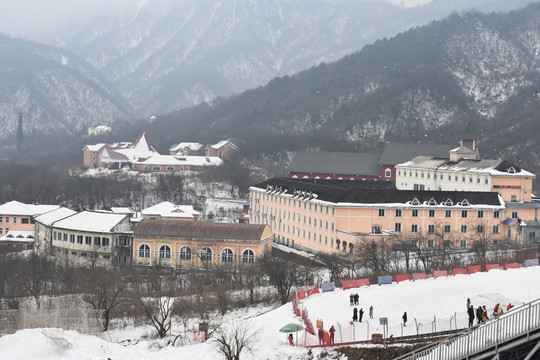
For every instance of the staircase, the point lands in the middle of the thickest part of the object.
(514, 335)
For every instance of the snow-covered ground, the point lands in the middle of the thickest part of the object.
(423, 299)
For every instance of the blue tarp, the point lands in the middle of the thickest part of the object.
(531, 262)
(329, 286)
(385, 280)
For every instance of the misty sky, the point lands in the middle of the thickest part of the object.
(39, 20)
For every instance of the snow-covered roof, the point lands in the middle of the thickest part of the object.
(95, 147)
(168, 209)
(18, 235)
(142, 148)
(223, 143)
(91, 221)
(21, 209)
(192, 145)
(122, 210)
(52, 216)
(166, 160)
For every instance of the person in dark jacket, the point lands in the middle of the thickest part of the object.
(371, 312)
(356, 297)
(471, 316)
(351, 299)
(360, 314)
(404, 317)
(355, 314)
(479, 313)
(468, 304)
(332, 331)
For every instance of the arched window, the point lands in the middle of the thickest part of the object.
(156, 168)
(170, 168)
(227, 256)
(144, 251)
(220, 154)
(248, 256)
(185, 253)
(206, 254)
(164, 252)
(388, 173)
(344, 244)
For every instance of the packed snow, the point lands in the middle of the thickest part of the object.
(422, 299)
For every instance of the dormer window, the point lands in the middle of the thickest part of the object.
(448, 202)
(388, 173)
(511, 170)
(432, 202)
(464, 203)
(415, 202)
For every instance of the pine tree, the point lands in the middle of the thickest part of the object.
(20, 131)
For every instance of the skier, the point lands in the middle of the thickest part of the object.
(371, 312)
(471, 316)
(360, 314)
(355, 314)
(332, 331)
(404, 317)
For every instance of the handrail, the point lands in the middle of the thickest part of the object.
(516, 323)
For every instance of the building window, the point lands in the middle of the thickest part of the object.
(88, 239)
(397, 227)
(1, 219)
(387, 173)
(376, 229)
(156, 168)
(480, 214)
(447, 229)
(105, 241)
(71, 238)
(144, 251)
(463, 244)
(448, 213)
(381, 212)
(431, 243)
(14, 219)
(185, 253)
(464, 213)
(97, 241)
(414, 213)
(414, 242)
(515, 214)
(248, 256)
(496, 214)
(480, 229)
(7, 219)
(431, 213)
(496, 229)
(79, 239)
(431, 228)
(398, 212)
(227, 256)
(170, 168)
(206, 254)
(463, 229)
(25, 220)
(513, 198)
(414, 228)
(164, 252)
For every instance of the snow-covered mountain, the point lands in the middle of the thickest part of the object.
(167, 54)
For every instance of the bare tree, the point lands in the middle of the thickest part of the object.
(232, 341)
(282, 274)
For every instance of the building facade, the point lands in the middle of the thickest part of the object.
(199, 244)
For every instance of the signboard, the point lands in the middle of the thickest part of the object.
(507, 186)
(329, 286)
(383, 321)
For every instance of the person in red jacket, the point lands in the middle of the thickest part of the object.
(291, 340)
(321, 336)
(509, 306)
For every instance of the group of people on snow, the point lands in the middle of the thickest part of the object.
(481, 312)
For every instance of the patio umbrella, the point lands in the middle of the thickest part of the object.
(291, 327)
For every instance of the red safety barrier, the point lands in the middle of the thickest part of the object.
(459, 271)
(492, 266)
(349, 284)
(440, 273)
(474, 269)
(309, 327)
(302, 294)
(315, 290)
(403, 277)
(419, 276)
(511, 266)
(326, 337)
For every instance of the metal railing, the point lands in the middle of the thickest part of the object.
(519, 322)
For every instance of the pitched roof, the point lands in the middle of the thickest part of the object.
(55, 215)
(338, 194)
(198, 230)
(223, 143)
(93, 221)
(396, 153)
(21, 209)
(168, 209)
(191, 145)
(158, 159)
(336, 163)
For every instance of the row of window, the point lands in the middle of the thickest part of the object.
(97, 240)
(295, 203)
(84, 254)
(447, 213)
(205, 254)
(441, 177)
(14, 220)
(447, 228)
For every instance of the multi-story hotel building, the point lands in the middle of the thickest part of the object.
(327, 217)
